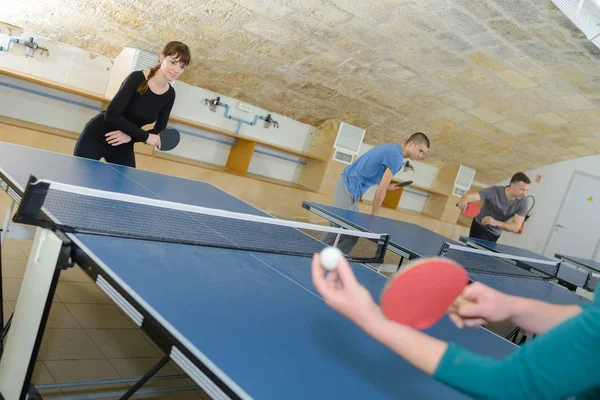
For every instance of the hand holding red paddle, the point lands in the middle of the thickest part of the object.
(486, 305)
(391, 324)
(418, 296)
(469, 209)
(421, 294)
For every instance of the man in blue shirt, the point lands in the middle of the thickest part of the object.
(376, 167)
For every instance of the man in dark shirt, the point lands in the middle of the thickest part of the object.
(500, 204)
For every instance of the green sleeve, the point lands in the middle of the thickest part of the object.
(562, 362)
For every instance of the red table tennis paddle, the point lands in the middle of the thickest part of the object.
(472, 210)
(169, 139)
(421, 294)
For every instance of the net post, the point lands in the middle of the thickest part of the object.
(30, 207)
(337, 240)
(382, 245)
(443, 249)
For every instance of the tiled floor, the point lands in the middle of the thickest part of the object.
(87, 337)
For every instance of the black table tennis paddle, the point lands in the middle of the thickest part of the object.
(169, 139)
(405, 183)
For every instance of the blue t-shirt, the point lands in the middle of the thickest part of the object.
(369, 168)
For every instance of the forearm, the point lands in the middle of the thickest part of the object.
(378, 200)
(509, 227)
(538, 317)
(470, 198)
(117, 121)
(419, 349)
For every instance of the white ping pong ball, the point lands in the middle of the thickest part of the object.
(329, 257)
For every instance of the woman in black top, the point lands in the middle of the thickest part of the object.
(144, 97)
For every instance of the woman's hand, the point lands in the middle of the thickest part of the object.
(153, 140)
(342, 292)
(487, 305)
(117, 138)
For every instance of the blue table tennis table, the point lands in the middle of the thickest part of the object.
(412, 241)
(567, 273)
(590, 269)
(550, 270)
(589, 264)
(242, 325)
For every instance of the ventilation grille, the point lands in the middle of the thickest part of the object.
(585, 14)
(343, 157)
(349, 138)
(458, 191)
(144, 60)
(464, 178)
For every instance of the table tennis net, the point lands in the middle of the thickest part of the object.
(74, 209)
(488, 262)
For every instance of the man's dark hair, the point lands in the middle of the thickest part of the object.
(419, 137)
(520, 177)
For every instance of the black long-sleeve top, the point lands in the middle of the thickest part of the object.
(128, 111)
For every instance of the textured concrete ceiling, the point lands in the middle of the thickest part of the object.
(500, 85)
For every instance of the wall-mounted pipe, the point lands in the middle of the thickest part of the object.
(216, 102)
(10, 41)
(31, 45)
